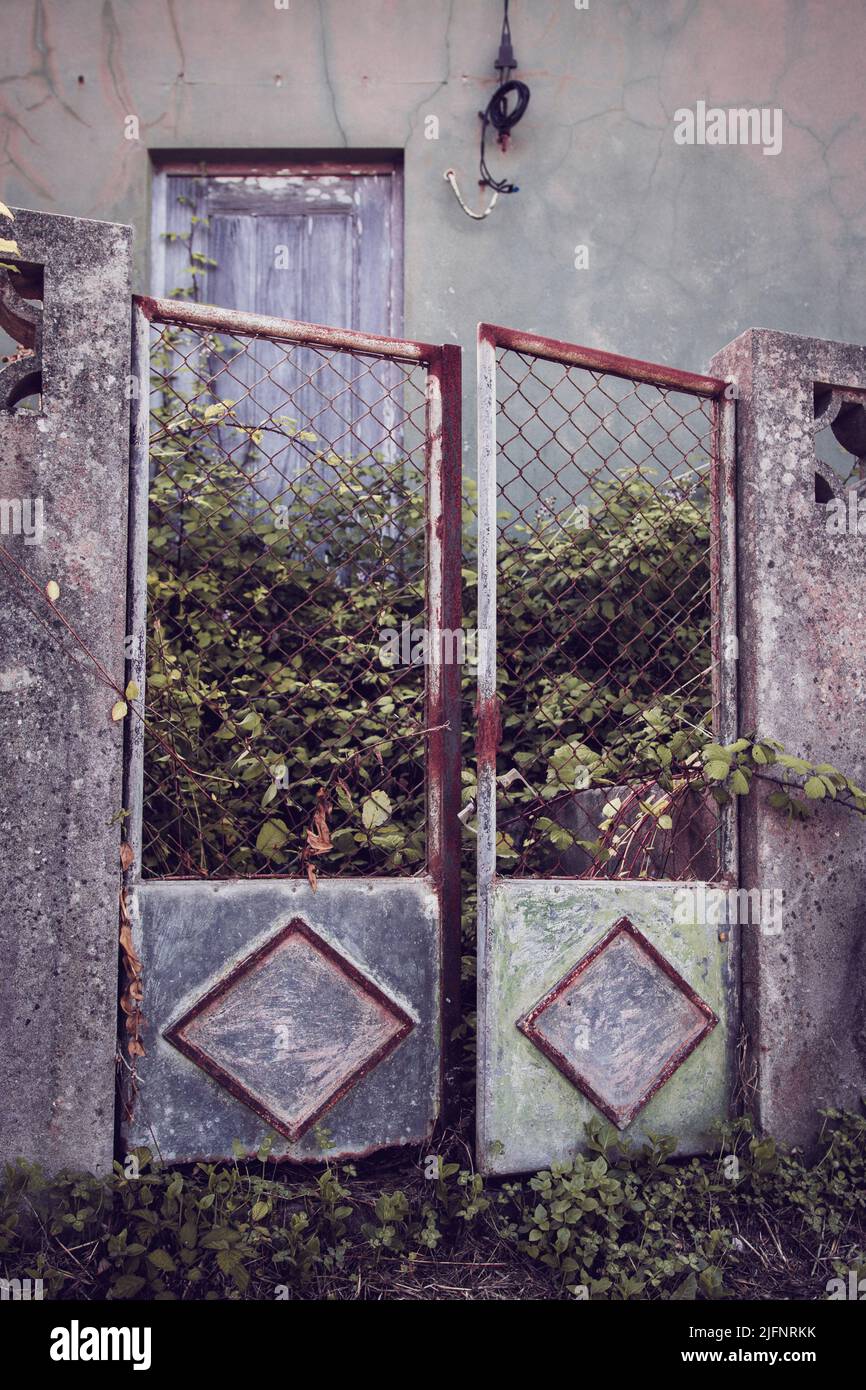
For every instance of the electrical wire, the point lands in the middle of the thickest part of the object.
(503, 121)
(500, 117)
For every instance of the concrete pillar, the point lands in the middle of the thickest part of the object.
(60, 783)
(802, 680)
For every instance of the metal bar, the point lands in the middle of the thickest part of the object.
(726, 695)
(444, 618)
(208, 316)
(487, 736)
(157, 242)
(652, 374)
(139, 466)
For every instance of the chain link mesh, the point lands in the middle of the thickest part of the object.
(605, 577)
(286, 530)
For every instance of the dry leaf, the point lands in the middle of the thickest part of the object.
(319, 844)
(8, 248)
(319, 837)
(132, 691)
(131, 997)
(126, 855)
(119, 710)
(6, 212)
(128, 949)
(52, 590)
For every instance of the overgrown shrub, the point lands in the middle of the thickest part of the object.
(269, 701)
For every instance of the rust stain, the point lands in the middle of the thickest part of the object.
(133, 994)
(209, 316)
(489, 731)
(632, 368)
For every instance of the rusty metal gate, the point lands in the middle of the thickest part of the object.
(607, 989)
(292, 938)
(293, 780)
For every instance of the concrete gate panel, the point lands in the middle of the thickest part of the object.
(318, 1025)
(587, 1018)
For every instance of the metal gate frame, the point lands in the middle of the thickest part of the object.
(443, 469)
(492, 337)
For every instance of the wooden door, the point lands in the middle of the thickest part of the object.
(320, 246)
(313, 245)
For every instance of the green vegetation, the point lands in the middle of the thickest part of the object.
(279, 736)
(747, 1221)
(271, 710)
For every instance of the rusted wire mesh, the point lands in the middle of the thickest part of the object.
(605, 567)
(286, 531)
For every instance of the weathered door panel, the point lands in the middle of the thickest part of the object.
(643, 1035)
(606, 487)
(320, 245)
(273, 1009)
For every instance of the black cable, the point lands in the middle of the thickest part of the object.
(497, 113)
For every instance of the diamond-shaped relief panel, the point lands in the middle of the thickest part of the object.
(620, 1023)
(291, 1029)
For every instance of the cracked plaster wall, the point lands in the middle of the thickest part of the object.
(688, 246)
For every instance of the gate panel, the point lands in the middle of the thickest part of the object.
(294, 897)
(327, 1038)
(607, 987)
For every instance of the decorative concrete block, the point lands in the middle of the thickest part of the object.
(802, 680)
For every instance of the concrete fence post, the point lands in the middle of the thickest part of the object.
(63, 502)
(802, 681)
